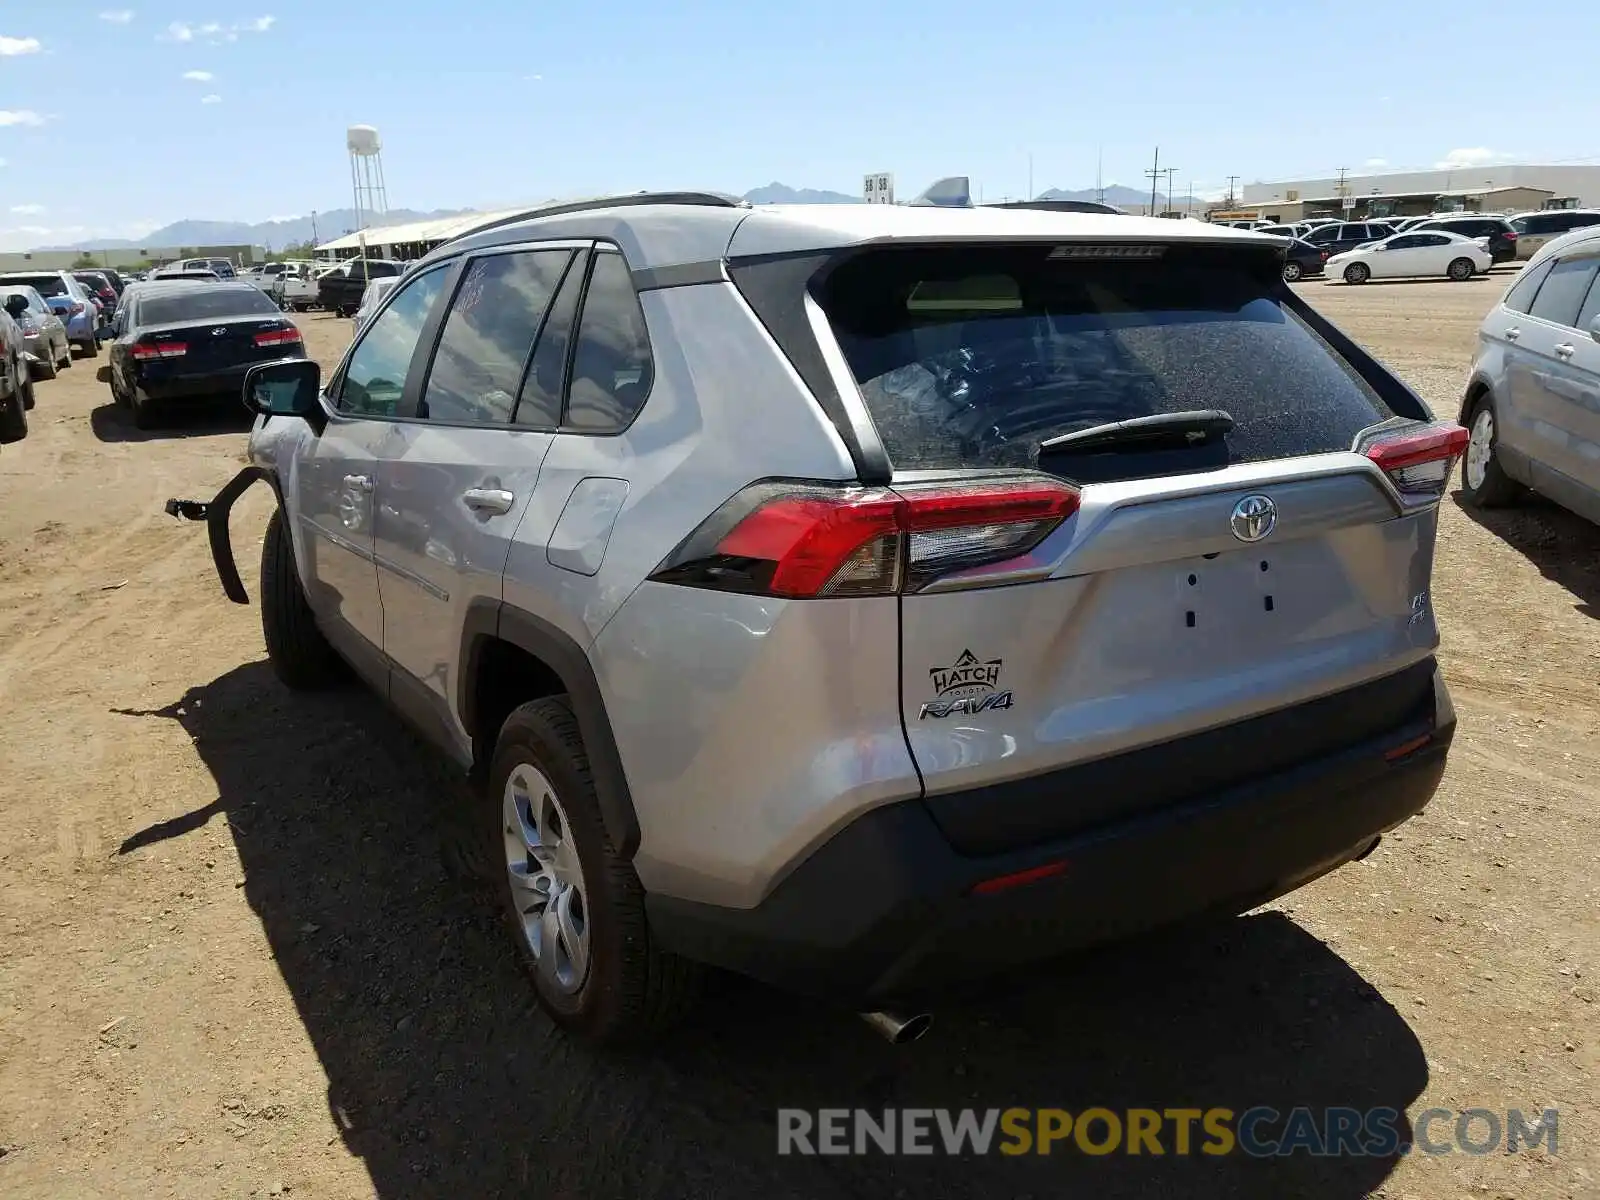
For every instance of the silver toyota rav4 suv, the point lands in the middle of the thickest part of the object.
(864, 598)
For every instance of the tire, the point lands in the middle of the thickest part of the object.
(1461, 270)
(28, 398)
(1357, 273)
(1293, 272)
(301, 657)
(91, 348)
(145, 413)
(628, 990)
(66, 355)
(1483, 483)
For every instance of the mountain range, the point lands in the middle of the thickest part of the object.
(275, 235)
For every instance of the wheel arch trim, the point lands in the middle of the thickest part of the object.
(490, 620)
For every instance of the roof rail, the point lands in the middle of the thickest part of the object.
(556, 208)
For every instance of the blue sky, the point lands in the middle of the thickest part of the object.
(116, 120)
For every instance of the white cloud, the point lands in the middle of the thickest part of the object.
(213, 98)
(260, 24)
(10, 46)
(2, 162)
(117, 16)
(19, 116)
(211, 27)
(1377, 162)
(1470, 156)
(27, 210)
(178, 32)
(199, 76)
(533, 78)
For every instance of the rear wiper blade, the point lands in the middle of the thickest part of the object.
(1190, 428)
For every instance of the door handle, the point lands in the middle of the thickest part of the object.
(361, 483)
(488, 500)
(1566, 350)
(1513, 334)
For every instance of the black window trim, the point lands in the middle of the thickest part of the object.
(410, 412)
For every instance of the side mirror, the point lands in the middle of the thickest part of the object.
(16, 306)
(285, 388)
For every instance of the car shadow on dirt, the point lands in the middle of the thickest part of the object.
(113, 423)
(445, 1079)
(1564, 546)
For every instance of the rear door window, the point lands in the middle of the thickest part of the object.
(489, 335)
(1563, 291)
(969, 357)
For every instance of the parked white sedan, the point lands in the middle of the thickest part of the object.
(1432, 253)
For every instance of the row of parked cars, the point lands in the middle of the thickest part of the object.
(47, 320)
(1433, 245)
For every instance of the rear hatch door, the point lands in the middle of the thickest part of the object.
(1231, 556)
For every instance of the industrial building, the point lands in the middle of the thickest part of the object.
(408, 241)
(130, 257)
(1502, 187)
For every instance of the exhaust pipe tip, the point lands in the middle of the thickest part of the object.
(899, 1029)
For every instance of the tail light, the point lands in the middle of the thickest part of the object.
(1418, 459)
(808, 540)
(75, 309)
(277, 337)
(147, 351)
(30, 328)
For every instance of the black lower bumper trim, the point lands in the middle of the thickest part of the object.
(884, 912)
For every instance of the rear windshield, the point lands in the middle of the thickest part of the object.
(970, 357)
(46, 285)
(34, 303)
(204, 304)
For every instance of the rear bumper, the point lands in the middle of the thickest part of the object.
(886, 909)
(225, 381)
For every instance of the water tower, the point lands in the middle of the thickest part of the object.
(366, 174)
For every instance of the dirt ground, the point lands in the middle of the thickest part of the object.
(238, 956)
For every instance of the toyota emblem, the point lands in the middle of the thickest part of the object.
(1253, 518)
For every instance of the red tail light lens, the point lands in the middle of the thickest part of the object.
(1419, 459)
(278, 337)
(146, 351)
(801, 540)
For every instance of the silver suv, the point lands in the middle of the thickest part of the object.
(1533, 402)
(864, 597)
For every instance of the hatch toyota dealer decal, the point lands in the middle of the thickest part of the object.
(968, 686)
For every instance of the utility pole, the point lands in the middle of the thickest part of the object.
(1231, 201)
(1189, 208)
(1169, 172)
(1099, 187)
(1343, 171)
(1155, 174)
(314, 238)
